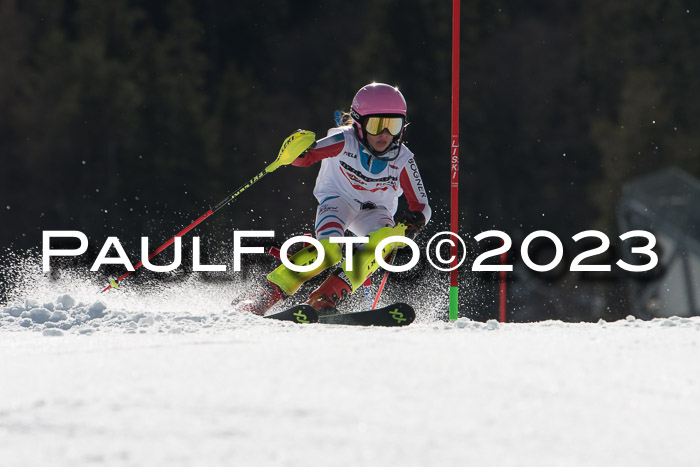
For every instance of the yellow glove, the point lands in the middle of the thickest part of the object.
(294, 146)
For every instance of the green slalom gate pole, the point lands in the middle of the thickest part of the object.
(454, 161)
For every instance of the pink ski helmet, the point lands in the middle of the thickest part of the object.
(378, 99)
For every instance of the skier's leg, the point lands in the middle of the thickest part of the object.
(364, 262)
(283, 282)
(332, 216)
(343, 282)
(289, 281)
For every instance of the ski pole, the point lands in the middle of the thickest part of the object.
(284, 157)
(386, 274)
(221, 204)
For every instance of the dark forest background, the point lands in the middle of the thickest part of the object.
(131, 118)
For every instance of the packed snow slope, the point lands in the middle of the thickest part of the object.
(172, 376)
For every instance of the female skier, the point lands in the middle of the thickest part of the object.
(365, 168)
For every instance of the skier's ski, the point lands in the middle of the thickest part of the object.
(397, 314)
(299, 314)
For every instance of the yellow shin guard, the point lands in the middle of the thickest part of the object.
(364, 262)
(290, 281)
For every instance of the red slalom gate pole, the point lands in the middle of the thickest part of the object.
(454, 162)
(502, 290)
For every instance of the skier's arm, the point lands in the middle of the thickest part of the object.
(330, 146)
(414, 190)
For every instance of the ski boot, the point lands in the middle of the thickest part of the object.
(328, 295)
(265, 298)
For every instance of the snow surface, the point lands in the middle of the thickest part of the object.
(172, 376)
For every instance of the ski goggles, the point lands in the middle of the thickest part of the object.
(375, 125)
